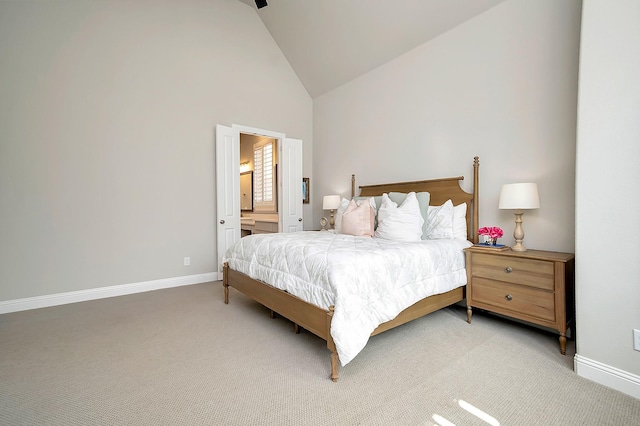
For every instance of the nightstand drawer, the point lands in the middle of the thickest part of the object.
(533, 302)
(529, 272)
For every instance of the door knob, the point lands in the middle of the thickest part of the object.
(222, 222)
(299, 219)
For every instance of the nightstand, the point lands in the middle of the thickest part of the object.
(535, 286)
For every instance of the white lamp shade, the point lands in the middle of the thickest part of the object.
(330, 202)
(519, 196)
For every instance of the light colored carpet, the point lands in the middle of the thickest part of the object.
(181, 356)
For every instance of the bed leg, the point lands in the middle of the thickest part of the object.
(296, 328)
(469, 314)
(334, 366)
(272, 314)
(225, 282)
(332, 347)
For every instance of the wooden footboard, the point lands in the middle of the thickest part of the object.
(318, 320)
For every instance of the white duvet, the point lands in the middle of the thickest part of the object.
(368, 280)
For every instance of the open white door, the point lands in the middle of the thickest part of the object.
(227, 190)
(290, 185)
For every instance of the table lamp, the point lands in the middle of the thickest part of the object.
(331, 203)
(519, 196)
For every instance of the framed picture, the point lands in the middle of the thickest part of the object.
(305, 190)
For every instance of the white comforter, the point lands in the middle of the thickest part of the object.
(368, 280)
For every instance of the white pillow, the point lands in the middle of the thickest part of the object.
(344, 203)
(423, 202)
(440, 222)
(358, 219)
(402, 223)
(460, 222)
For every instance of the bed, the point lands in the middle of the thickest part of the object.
(299, 295)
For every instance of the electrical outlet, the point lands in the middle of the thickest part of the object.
(636, 339)
(187, 261)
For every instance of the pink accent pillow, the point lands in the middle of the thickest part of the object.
(358, 219)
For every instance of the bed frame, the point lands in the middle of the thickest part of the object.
(318, 320)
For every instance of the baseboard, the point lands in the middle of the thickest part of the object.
(102, 292)
(608, 376)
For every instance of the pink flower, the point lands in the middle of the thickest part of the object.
(491, 231)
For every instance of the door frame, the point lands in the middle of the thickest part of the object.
(279, 137)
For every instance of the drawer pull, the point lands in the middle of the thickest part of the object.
(508, 269)
(508, 297)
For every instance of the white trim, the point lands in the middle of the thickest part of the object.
(102, 292)
(259, 132)
(606, 375)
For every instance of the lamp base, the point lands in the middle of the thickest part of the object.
(518, 233)
(518, 247)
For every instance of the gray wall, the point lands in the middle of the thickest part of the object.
(107, 118)
(502, 86)
(608, 173)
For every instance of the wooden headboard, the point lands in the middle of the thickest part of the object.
(440, 190)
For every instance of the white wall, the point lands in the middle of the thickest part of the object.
(107, 117)
(502, 86)
(608, 153)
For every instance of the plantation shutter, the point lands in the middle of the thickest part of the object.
(263, 177)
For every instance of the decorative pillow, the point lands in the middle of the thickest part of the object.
(460, 222)
(402, 223)
(375, 203)
(344, 203)
(440, 222)
(358, 219)
(423, 202)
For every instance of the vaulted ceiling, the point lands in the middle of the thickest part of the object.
(330, 42)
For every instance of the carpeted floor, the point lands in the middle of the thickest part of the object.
(181, 356)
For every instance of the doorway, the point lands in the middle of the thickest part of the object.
(288, 181)
(259, 157)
